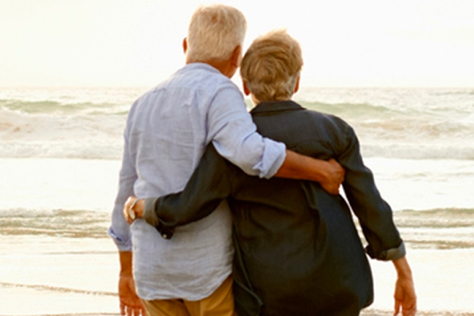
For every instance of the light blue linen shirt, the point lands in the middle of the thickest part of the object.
(167, 131)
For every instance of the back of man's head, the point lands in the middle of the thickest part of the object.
(271, 66)
(214, 33)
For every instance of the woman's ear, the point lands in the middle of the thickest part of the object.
(246, 89)
(297, 86)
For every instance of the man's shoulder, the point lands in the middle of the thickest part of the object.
(194, 76)
(196, 86)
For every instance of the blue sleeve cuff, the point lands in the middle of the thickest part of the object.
(121, 244)
(277, 155)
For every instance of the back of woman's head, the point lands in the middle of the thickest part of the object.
(271, 66)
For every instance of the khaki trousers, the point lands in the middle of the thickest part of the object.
(219, 303)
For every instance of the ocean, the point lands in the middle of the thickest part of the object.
(60, 151)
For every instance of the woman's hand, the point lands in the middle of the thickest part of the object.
(133, 209)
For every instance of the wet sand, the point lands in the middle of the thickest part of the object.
(45, 275)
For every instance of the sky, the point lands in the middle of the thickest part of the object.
(346, 43)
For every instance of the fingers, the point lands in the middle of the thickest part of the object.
(405, 301)
(126, 209)
(130, 303)
(334, 190)
(397, 307)
(409, 308)
(337, 177)
(122, 309)
(330, 188)
(338, 171)
(129, 310)
(136, 311)
(142, 311)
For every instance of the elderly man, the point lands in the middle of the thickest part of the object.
(297, 251)
(166, 133)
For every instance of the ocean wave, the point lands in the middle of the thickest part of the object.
(351, 110)
(444, 228)
(447, 228)
(436, 218)
(456, 92)
(412, 134)
(62, 108)
(58, 223)
(418, 150)
(88, 124)
(41, 135)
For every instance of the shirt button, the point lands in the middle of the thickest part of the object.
(165, 236)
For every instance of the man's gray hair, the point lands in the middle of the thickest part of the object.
(214, 33)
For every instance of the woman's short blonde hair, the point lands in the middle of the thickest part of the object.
(214, 33)
(271, 66)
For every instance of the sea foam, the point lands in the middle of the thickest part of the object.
(89, 123)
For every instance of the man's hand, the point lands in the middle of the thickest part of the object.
(329, 173)
(130, 304)
(334, 178)
(405, 297)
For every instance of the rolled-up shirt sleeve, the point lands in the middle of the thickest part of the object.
(235, 136)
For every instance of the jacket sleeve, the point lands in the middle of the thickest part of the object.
(374, 214)
(207, 187)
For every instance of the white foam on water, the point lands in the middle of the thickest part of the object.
(88, 123)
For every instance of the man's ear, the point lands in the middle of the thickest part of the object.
(246, 89)
(185, 45)
(236, 56)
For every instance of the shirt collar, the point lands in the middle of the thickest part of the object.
(276, 106)
(198, 65)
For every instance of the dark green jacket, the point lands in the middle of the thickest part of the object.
(297, 250)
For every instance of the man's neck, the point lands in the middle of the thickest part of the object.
(225, 67)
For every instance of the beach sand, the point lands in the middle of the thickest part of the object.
(38, 276)
(373, 312)
(57, 260)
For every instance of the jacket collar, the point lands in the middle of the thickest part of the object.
(276, 106)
